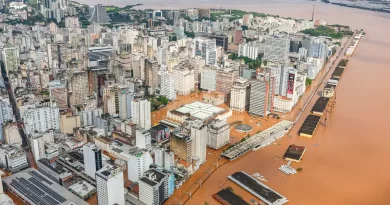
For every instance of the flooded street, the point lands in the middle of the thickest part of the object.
(346, 162)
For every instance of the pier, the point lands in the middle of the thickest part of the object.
(258, 189)
(309, 126)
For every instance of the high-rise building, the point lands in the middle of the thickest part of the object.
(262, 95)
(111, 100)
(143, 139)
(58, 95)
(38, 141)
(238, 36)
(181, 145)
(316, 46)
(98, 14)
(280, 74)
(141, 113)
(163, 158)
(204, 13)
(138, 163)
(110, 186)
(41, 119)
(151, 74)
(224, 81)
(199, 141)
(72, 22)
(92, 159)
(99, 57)
(78, 88)
(153, 187)
(221, 40)
(218, 134)
(250, 50)
(240, 95)
(208, 79)
(207, 48)
(5, 114)
(167, 85)
(12, 158)
(125, 98)
(10, 57)
(184, 78)
(276, 49)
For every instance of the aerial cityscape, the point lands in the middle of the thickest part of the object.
(148, 103)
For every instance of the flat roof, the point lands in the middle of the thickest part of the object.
(38, 189)
(309, 125)
(228, 197)
(320, 105)
(294, 152)
(199, 110)
(82, 188)
(153, 177)
(258, 189)
(338, 72)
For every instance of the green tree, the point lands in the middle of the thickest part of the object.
(308, 82)
(189, 34)
(265, 63)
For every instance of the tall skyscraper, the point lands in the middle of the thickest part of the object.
(98, 14)
(262, 95)
(41, 119)
(138, 163)
(218, 134)
(125, 98)
(78, 88)
(167, 84)
(153, 187)
(184, 77)
(58, 95)
(207, 48)
(5, 114)
(110, 186)
(276, 49)
(141, 113)
(316, 46)
(10, 57)
(204, 13)
(240, 95)
(199, 141)
(151, 74)
(92, 159)
(111, 100)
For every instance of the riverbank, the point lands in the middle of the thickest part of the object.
(356, 7)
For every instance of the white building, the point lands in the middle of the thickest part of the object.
(240, 94)
(199, 141)
(208, 79)
(218, 134)
(38, 141)
(163, 158)
(167, 84)
(153, 187)
(143, 139)
(41, 119)
(12, 158)
(276, 49)
(110, 186)
(5, 115)
(248, 50)
(207, 48)
(184, 78)
(138, 163)
(92, 159)
(141, 113)
(280, 74)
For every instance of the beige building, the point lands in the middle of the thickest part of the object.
(11, 134)
(184, 77)
(111, 98)
(68, 122)
(240, 94)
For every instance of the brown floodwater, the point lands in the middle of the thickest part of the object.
(345, 162)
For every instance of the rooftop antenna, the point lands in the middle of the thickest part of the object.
(312, 14)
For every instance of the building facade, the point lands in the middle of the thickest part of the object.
(240, 95)
(110, 186)
(92, 159)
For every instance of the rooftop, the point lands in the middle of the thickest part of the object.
(228, 197)
(153, 177)
(294, 152)
(36, 189)
(108, 172)
(199, 110)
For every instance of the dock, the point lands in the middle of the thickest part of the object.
(309, 126)
(227, 197)
(258, 189)
(320, 106)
